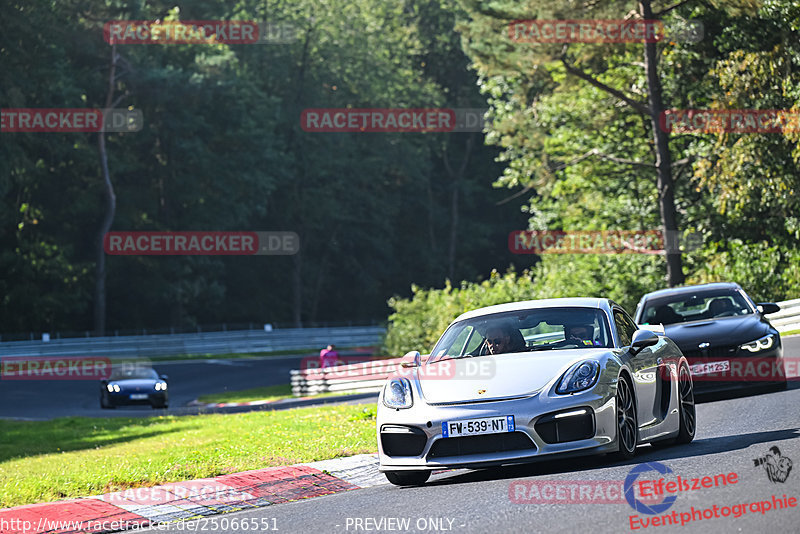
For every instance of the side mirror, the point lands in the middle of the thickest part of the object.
(163, 377)
(768, 307)
(411, 359)
(641, 339)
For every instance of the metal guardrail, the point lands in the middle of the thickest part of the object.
(788, 318)
(231, 342)
(364, 377)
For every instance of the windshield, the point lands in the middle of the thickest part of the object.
(137, 372)
(698, 306)
(524, 330)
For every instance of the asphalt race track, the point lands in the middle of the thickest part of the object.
(731, 434)
(47, 399)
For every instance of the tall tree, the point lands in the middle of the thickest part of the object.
(528, 72)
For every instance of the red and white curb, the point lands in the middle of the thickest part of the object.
(193, 499)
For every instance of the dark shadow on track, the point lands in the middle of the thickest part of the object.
(645, 453)
(702, 398)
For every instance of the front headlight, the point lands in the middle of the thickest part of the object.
(397, 394)
(580, 376)
(759, 344)
(112, 388)
(161, 386)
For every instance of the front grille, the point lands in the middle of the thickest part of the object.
(712, 352)
(399, 440)
(570, 426)
(487, 444)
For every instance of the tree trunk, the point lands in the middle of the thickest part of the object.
(110, 210)
(297, 191)
(456, 177)
(297, 289)
(666, 184)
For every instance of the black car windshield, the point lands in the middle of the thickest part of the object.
(524, 330)
(133, 373)
(696, 306)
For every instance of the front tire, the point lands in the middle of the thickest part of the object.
(688, 415)
(627, 424)
(104, 403)
(407, 478)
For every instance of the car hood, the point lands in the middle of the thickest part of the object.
(503, 376)
(142, 384)
(723, 331)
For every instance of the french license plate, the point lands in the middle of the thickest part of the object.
(477, 427)
(711, 367)
(138, 396)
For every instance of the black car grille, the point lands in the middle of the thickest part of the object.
(490, 443)
(712, 352)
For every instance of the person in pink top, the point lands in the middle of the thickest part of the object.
(328, 356)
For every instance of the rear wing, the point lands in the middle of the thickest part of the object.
(655, 328)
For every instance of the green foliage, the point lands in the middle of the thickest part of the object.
(222, 149)
(417, 323)
(766, 272)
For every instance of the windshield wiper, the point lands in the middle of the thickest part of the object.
(457, 357)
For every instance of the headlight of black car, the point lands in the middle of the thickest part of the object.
(762, 343)
(397, 394)
(580, 376)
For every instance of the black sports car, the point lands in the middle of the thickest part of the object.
(722, 332)
(134, 385)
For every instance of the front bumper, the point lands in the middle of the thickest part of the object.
(124, 398)
(747, 371)
(411, 439)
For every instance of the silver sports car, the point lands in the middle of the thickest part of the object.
(525, 381)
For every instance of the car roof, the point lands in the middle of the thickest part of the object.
(691, 289)
(580, 302)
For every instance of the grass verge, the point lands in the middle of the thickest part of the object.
(79, 456)
(790, 333)
(270, 393)
(266, 393)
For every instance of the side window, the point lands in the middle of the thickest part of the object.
(625, 327)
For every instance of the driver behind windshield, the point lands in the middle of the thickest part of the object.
(504, 338)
